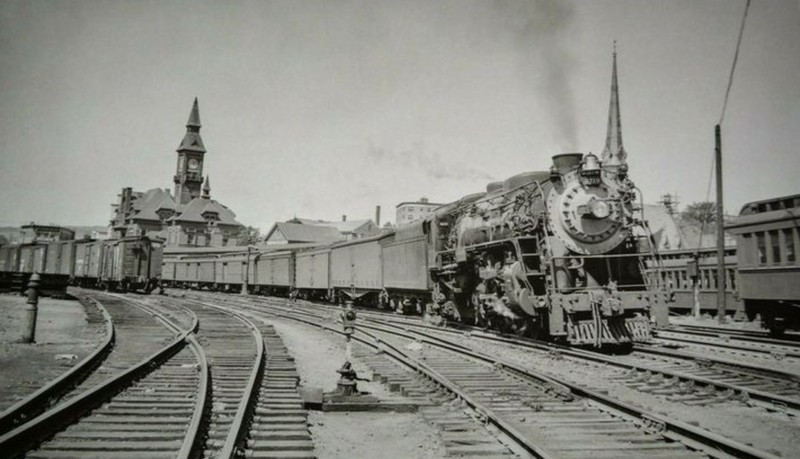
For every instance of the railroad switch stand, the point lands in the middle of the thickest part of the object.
(348, 380)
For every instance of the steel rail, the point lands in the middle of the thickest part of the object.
(660, 334)
(710, 443)
(433, 375)
(677, 430)
(773, 400)
(755, 336)
(193, 440)
(17, 441)
(42, 399)
(240, 424)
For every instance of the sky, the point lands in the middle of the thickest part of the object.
(320, 109)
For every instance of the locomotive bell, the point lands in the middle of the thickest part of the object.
(590, 170)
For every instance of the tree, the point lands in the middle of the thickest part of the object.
(699, 213)
(248, 235)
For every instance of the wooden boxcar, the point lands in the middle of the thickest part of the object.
(130, 263)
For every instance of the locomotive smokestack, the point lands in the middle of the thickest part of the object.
(378, 216)
(344, 218)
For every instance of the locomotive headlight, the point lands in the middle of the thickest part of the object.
(601, 209)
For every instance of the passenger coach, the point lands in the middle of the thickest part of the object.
(768, 250)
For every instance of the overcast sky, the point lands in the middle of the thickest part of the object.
(319, 109)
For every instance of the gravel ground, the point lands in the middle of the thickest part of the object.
(61, 329)
(359, 434)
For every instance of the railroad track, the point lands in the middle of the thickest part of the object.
(153, 408)
(256, 410)
(676, 375)
(650, 433)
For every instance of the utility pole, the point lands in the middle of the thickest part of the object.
(245, 286)
(720, 230)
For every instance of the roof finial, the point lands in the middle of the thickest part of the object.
(614, 153)
(207, 188)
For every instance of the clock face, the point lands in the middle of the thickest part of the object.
(194, 164)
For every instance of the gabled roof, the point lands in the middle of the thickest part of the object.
(194, 210)
(147, 204)
(298, 232)
(348, 226)
(192, 142)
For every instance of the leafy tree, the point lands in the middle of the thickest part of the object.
(248, 235)
(701, 212)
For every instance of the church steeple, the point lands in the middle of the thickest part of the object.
(614, 153)
(189, 172)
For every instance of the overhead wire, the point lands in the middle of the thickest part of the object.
(721, 118)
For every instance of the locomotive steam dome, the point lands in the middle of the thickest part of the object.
(585, 206)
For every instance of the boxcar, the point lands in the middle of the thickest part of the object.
(230, 270)
(312, 273)
(356, 267)
(769, 275)
(130, 263)
(272, 272)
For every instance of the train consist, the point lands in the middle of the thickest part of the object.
(563, 255)
(129, 263)
(768, 250)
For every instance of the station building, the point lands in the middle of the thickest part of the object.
(188, 217)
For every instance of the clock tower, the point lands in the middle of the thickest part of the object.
(189, 173)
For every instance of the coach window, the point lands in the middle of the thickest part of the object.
(761, 241)
(788, 242)
(776, 247)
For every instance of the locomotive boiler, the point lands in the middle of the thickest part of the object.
(559, 254)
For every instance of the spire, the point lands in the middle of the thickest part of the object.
(194, 116)
(207, 188)
(192, 141)
(614, 153)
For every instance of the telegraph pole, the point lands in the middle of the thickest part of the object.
(720, 230)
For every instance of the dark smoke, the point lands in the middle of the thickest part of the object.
(538, 30)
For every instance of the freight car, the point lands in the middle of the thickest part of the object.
(130, 263)
(768, 249)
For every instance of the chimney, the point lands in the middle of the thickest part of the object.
(423, 200)
(344, 218)
(377, 215)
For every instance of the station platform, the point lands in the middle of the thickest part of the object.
(64, 336)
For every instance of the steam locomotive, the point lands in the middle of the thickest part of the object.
(562, 255)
